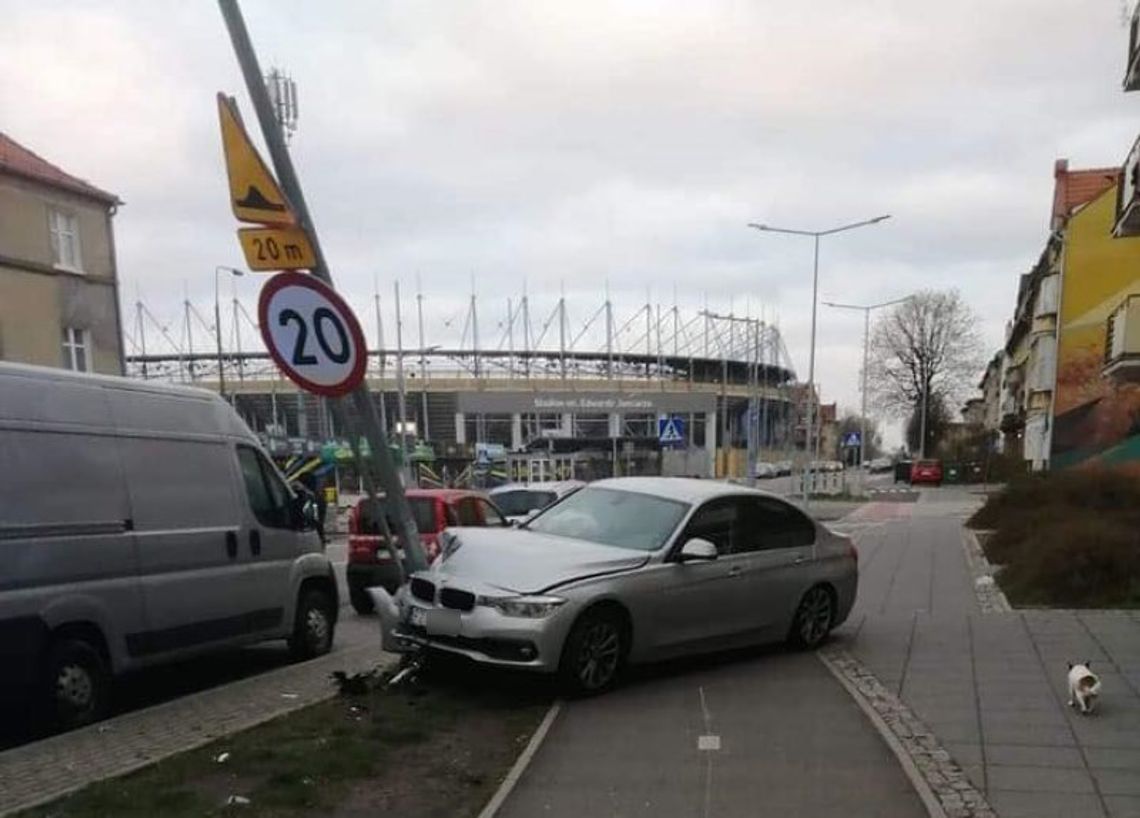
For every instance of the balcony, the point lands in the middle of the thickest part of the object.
(1122, 342)
(1127, 201)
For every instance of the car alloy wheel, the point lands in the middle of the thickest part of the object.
(599, 653)
(813, 621)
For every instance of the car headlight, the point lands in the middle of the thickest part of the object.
(525, 607)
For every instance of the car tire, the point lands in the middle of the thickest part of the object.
(594, 652)
(313, 626)
(361, 602)
(76, 685)
(815, 616)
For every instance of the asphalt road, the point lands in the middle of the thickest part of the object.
(766, 733)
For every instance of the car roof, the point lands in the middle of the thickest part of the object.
(557, 486)
(685, 489)
(447, 495)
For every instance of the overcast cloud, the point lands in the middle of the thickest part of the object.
(575, 144)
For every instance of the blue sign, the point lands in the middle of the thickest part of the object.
(671, 430)
(851, 440)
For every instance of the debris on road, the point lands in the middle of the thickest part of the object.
(221, 758)
(237, 801)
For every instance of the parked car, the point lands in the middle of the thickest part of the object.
(784, 468)
(766, 471)
(369, 560)
(518, 501)
(880, 465)
(140, 523)
(926, 471)
(629, 570)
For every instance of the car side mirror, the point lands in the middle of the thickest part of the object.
(698, 550)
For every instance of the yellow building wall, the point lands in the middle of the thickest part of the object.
(1095, 419)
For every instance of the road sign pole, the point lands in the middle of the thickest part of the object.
(385, 470)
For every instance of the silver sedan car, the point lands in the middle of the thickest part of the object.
(630, 570)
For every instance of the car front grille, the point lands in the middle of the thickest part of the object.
(457, 599)
(423, 590)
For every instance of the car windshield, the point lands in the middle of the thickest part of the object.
(517, 502)
(624, 519)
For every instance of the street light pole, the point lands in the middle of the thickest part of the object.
(816, 235)
(218, 323)
(866, 309)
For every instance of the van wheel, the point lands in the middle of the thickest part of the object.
(313, 626)
(76, 685)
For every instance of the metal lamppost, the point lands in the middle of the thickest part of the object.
(866, 308)
(816, 235)
(218, 323)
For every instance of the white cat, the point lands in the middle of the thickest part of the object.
(1084, 687)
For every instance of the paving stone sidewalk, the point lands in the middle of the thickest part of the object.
(992, 685)
(47, 769)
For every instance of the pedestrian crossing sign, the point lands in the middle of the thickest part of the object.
(851, 440)
(671, 431)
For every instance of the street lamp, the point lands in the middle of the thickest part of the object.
(218, 323)
(866, 308)
(816, 236)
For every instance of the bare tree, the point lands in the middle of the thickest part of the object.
(927, 345)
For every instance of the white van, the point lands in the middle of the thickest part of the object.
(140, 523)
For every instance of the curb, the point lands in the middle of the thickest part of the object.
(941, 785)
(521, 763)
(991, 598)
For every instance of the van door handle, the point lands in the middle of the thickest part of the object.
(231, 544)
(255, 542)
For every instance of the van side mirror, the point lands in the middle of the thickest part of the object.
(698, 550)
(304, 512)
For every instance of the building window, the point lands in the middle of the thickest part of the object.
(75, 354)
(64, 228)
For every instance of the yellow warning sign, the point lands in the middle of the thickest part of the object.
(254, 194)
(277, 248)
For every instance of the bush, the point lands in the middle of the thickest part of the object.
(1068, 538)
(1093, 489)
(1092, 561)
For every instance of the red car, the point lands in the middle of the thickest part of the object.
(369, 562)
(926, 471)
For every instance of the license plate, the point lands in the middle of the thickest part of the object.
(417, 617)
(442, 622)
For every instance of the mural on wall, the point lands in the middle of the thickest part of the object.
(1096, 417)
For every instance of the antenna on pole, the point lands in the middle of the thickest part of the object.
(283, 98)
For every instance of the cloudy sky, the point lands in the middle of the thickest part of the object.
(579, 144)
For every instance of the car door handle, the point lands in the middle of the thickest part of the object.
(255, 542)
(231, 544)
(735, 571)
(799, 560)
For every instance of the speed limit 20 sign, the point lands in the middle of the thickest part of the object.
(312, 334)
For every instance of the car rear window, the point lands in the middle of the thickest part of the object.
(522, 501)
(929, 464)
(423, 511)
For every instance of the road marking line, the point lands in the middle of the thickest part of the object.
(709, 742)
(521, 763)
